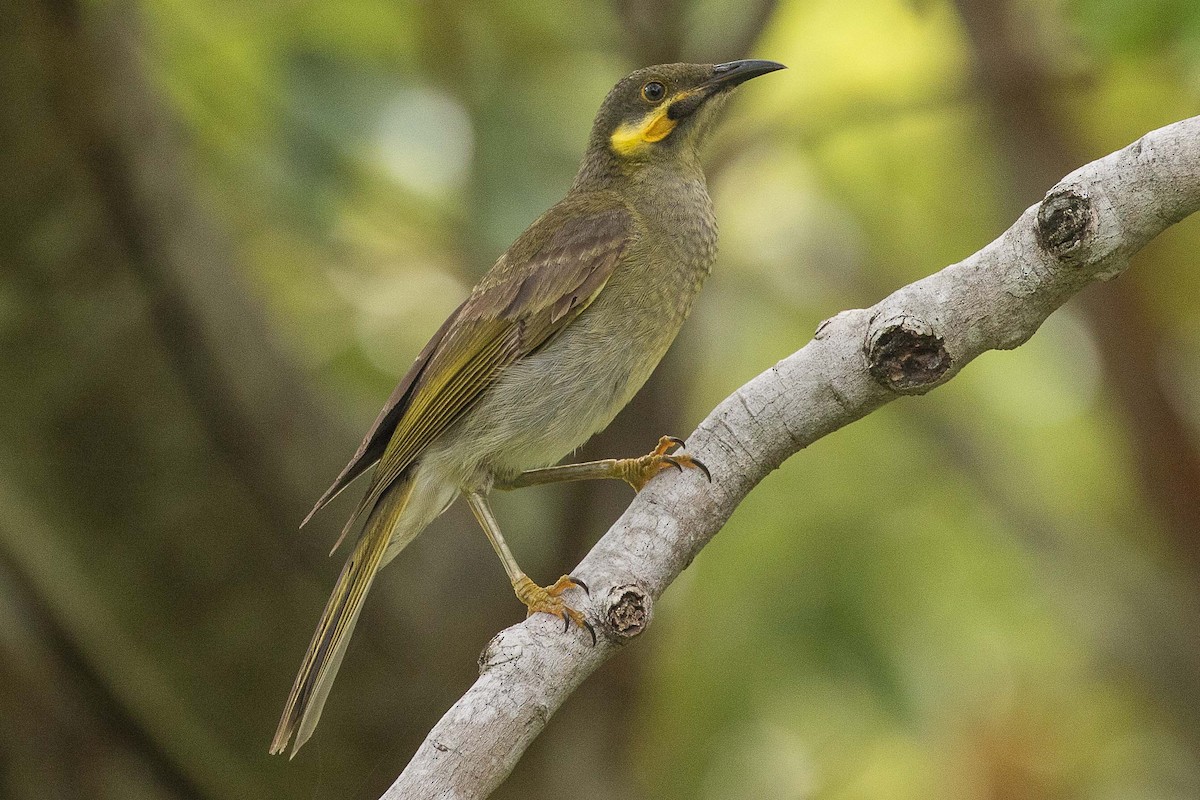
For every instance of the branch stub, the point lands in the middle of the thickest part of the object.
(906, 356)
(1066, 219)
(627, 610)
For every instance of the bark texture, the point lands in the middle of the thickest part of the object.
(919, 337)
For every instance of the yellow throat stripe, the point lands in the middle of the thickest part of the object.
(654, 127)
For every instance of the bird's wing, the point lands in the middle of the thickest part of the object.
(550, 274)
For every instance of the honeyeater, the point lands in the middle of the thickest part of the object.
(553, 341)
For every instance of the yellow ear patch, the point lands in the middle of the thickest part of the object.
(654, 127)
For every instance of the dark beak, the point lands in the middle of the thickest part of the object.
(725, 77)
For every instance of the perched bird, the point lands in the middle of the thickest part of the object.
(556, 338)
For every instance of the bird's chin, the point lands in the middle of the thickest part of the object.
(699, 123)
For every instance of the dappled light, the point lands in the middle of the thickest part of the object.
(229, 228)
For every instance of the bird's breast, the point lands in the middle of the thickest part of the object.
(552, 401)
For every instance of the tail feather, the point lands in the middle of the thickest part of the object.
(328, 645)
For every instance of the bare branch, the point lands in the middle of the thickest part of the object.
(919, 337)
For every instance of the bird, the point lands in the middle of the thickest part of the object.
(554, 340)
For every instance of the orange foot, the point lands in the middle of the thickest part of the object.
(548, 601)
(637, 472)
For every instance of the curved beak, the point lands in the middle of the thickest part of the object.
(725, 77)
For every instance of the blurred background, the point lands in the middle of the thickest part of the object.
(226, 228)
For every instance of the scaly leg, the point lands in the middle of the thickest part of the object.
(535, 598)
(637, 472)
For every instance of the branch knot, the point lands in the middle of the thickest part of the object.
(627, 610)
(905, 355)
(503, 648)
(1066, 219)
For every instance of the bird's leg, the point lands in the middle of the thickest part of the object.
(635, 471)
(536, 598)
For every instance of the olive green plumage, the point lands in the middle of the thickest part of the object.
(549, 346)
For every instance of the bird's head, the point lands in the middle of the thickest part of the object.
(663, 112)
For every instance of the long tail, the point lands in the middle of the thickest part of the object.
(328, 644)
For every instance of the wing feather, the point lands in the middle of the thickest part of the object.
(546, 279)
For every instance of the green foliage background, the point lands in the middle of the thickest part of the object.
(989, 592)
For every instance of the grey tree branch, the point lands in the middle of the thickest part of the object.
(919, 337)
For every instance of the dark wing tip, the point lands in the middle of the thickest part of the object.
(320, 504)
(330, 493)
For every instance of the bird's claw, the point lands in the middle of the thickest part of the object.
(637, 472)
(547, 600)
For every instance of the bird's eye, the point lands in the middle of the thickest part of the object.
(654, 91)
